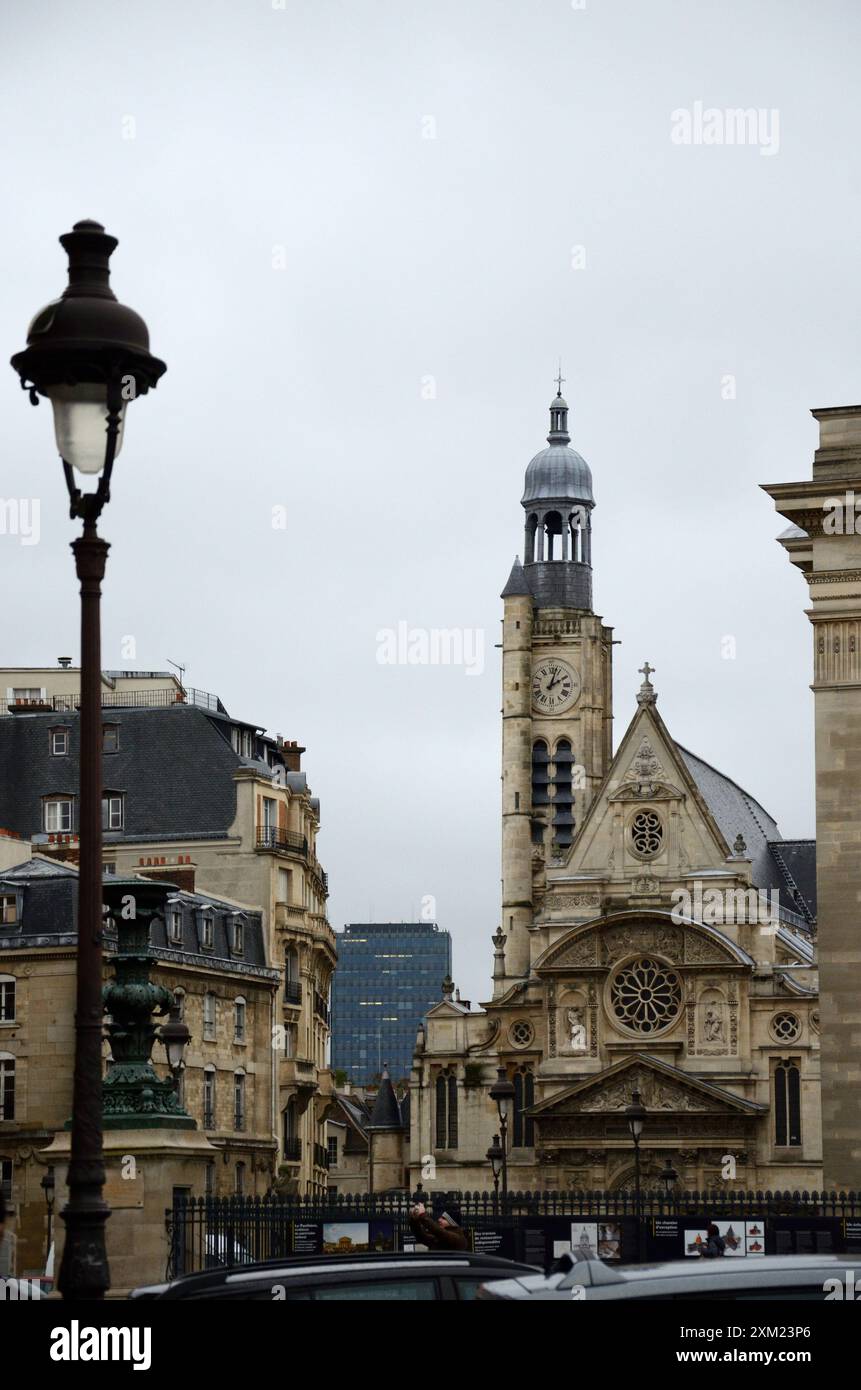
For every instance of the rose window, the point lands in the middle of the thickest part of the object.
(785, 1027)
(522, 1033)
(646, 995)
(647, 833)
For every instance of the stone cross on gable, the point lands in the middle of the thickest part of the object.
(646, 694)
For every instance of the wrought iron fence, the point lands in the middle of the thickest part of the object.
(206, 1232)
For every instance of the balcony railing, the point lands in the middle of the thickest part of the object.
(321, 1008)
(292, 992)
(292, 1150)
(321, 1156)
(272, 837)
(117, 699)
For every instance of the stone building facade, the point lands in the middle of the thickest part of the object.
(211, 955)
(213, 805)
(823, 541)
(657, 934)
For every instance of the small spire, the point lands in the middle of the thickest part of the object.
(647, 694)
(559, 414)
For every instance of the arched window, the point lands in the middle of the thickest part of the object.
(209, 1098)
(787, 1103)
(239, 1100)
(239, 1011)
(209, 1008)
(7, 999)
(446, 1110)
(563, 797)
(540, 773)
(523, 1127)
(7, 1086)
(240, 1179)
(291, 1140)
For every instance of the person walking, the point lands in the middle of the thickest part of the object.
(714, 1245)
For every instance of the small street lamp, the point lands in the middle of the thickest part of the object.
(496, 1158)
(175, 1037)
(669, 1177)
(89, 355)
(635, 1114)
(502, 1092)
(48, 1186)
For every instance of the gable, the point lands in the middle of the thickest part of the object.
(602, 944)
(649, 770)
(663, 1089)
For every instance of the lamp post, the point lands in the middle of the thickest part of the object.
(175, 1037)
(502, 1092)
(89, 355)
(669, 1177)
(48, 1186)
(496, 1158)
(635, 1114)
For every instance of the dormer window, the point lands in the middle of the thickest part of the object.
(242, 742)
(237, 933)
(112, 811)
(58, 814)
(174, 924)
(9, 909)
(206, 929)
(110, 738)
(59, 743)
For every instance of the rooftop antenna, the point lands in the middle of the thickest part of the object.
(177, 667)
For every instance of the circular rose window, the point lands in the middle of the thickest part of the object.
(521, 1033)
(785, 1027)
(647, 833)
(646, 995)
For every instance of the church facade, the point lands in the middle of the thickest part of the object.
(657, 933)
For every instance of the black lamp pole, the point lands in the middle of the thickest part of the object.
(502, 1092)
(496, 1158)
(635, 1114)
(48, 1187)
(89, 355)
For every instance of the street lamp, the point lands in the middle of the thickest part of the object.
(175, 1036)
(502, 1092)
(669, 1177)
(89, 355)
(48, 1186)
(496, 1158)
(635, 1114)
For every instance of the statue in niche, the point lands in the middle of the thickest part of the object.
(713, 1026)
(577, 1029)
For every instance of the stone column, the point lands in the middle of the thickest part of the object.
(824, 544)
(516, 785)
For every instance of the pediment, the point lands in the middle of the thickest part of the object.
(602, 944)
(446, 1008)
(663, 1089)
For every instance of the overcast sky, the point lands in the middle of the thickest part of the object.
(362, 232)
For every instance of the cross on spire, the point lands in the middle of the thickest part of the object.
(647, 695)
(646, 670)
(559, 379)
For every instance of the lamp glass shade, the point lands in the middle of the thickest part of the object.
(502, 1106)
(80, 424)
(635, 1124)
(175, 1046)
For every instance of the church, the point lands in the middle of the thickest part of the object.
(658, 934)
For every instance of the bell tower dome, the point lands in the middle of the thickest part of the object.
(558, 502)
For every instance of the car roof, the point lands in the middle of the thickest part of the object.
(323, 1266)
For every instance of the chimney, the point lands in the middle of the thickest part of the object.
(292, 752)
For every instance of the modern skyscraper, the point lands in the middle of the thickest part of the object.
(389, 975)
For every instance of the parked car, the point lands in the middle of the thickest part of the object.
(405, 1276)
(785, 1277)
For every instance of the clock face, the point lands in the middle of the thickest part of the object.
(555, 686)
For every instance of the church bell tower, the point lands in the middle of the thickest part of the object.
(556, 685)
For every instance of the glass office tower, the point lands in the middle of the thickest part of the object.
(389, 974)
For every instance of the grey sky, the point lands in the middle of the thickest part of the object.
(265, 136)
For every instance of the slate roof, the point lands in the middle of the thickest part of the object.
(517, 583)
(49, 917)
(174, 765)
(386, 1113)
(787, 866)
